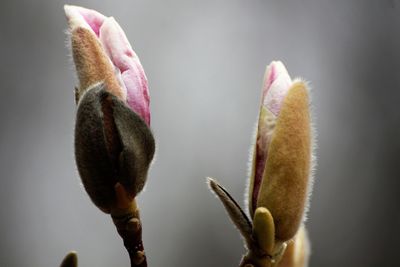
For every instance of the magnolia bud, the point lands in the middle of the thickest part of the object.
(113, 142)
(281, 167)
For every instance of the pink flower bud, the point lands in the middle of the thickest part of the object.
(113, 141)
(281, 166)
(125, 65)
(276, 84)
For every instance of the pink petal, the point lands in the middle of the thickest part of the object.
(124, 58)
(277, 84)
(83, 17)
(128, 70)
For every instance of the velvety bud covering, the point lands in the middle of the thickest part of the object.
(112, 144)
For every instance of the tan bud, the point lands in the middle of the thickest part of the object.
(285, 182)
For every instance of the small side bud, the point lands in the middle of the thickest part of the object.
(70, 260)
(264, 229)
(139, 257)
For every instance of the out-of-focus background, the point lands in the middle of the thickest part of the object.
(205, 62)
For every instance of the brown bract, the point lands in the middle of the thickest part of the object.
(112, 145)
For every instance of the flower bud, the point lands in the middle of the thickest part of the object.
(280, 174)
(113, 141)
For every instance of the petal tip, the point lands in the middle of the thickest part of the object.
(83, 17)
(74, 18)
(276, 84)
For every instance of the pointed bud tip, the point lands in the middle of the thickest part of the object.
(209, 180)
(83, 17)
(272, 72)
(212, 184)
(74, 19)
(276, 85)
(70, 260)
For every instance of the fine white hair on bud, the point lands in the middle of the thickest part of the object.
(280, 176)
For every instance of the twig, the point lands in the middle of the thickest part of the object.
(127, 221)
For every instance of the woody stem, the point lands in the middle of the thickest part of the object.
(129, 227)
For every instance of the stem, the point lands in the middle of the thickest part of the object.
(250, 260)
(257, 258)
(129, 227)
(126, 218)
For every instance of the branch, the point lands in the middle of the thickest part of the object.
(127, 221)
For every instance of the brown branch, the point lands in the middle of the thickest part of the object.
(127, 221)
(130, 229)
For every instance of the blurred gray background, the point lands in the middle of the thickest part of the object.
(205, 62)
